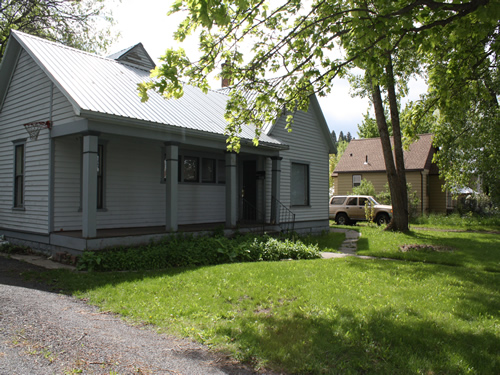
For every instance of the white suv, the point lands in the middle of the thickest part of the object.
(346, 209)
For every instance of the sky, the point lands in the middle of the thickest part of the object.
(146, 22)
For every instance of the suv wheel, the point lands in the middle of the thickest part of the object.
(382, 219)
(342, 219)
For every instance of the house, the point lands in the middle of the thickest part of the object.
(364, 159)
(86, 165)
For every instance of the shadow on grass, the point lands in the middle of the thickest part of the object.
(338, 339)
(374, 344)
(473, 250)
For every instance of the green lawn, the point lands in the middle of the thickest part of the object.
(467, 249)
(346, 316)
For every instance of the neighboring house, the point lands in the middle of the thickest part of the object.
(364, 159)
(110, 170)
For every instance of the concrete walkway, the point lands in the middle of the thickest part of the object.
(348, 247)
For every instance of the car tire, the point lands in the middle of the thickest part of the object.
(342, 219)
(382, 219)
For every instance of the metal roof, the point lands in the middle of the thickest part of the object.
(104, 86)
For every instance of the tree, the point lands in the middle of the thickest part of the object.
(77, 24)
(334, 139)
(295, 41)
(348, 137)
(341, 136)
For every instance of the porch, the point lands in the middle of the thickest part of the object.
(105, 238)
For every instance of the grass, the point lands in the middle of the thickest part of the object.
(328, 242)
(466, 249)
(346, 316)
(454, 221)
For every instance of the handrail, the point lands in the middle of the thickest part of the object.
(285, 218)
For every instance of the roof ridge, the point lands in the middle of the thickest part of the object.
(60, 45)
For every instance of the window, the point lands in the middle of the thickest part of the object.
(356, 180)
(363, 201)
(337, 201)
(221, 171)
(190, 169)
(19, 176)
(100, 176)
(353, 201)
(208, 170)
(300, 184)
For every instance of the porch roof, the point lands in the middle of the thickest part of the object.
(106, 88)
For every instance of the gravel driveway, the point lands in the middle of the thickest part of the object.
(42, 332)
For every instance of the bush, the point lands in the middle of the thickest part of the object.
(365, 188)
(183, 251)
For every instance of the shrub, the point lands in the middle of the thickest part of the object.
(183, 251)
(365, 188)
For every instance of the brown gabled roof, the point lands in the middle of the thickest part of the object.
(365, 155)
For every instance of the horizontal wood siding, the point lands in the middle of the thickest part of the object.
(202, 203)
(437, 197)
(344, 182)
(308, 146)
(27, 100)
(67, 175)
(379, 180)
(134, 194)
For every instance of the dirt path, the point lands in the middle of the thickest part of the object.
(44, 332)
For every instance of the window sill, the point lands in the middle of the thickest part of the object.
(18, 209)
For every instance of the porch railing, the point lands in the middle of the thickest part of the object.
(286, 218)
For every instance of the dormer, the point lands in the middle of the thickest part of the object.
(135, 56)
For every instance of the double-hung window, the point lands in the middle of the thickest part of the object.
(356, 180)
(19, 175)
(300, 184)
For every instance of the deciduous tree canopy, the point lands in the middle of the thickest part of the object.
(81, 24)
(304, 45)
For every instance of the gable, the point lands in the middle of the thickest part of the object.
(105, 90)
(135, 56)
(366, 155)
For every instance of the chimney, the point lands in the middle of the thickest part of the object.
(226, 82)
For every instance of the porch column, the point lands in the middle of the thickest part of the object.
(171, 186)
(231, 190)
(89, 186)
(275, 189)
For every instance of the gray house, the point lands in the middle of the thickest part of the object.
(86, 165)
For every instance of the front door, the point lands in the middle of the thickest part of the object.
(249, 191)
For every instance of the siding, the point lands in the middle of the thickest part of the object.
(379, 181)
(307, 145)
(437, 197)
(67, 164)
(202, 203)
(28, 99)
(134, 194)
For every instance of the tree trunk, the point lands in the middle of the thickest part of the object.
(401, 224)
(399, 198)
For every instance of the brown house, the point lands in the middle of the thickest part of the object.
(364, 159)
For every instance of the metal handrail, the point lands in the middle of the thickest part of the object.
(286, 218)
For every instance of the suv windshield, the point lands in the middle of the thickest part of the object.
(374, 202)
